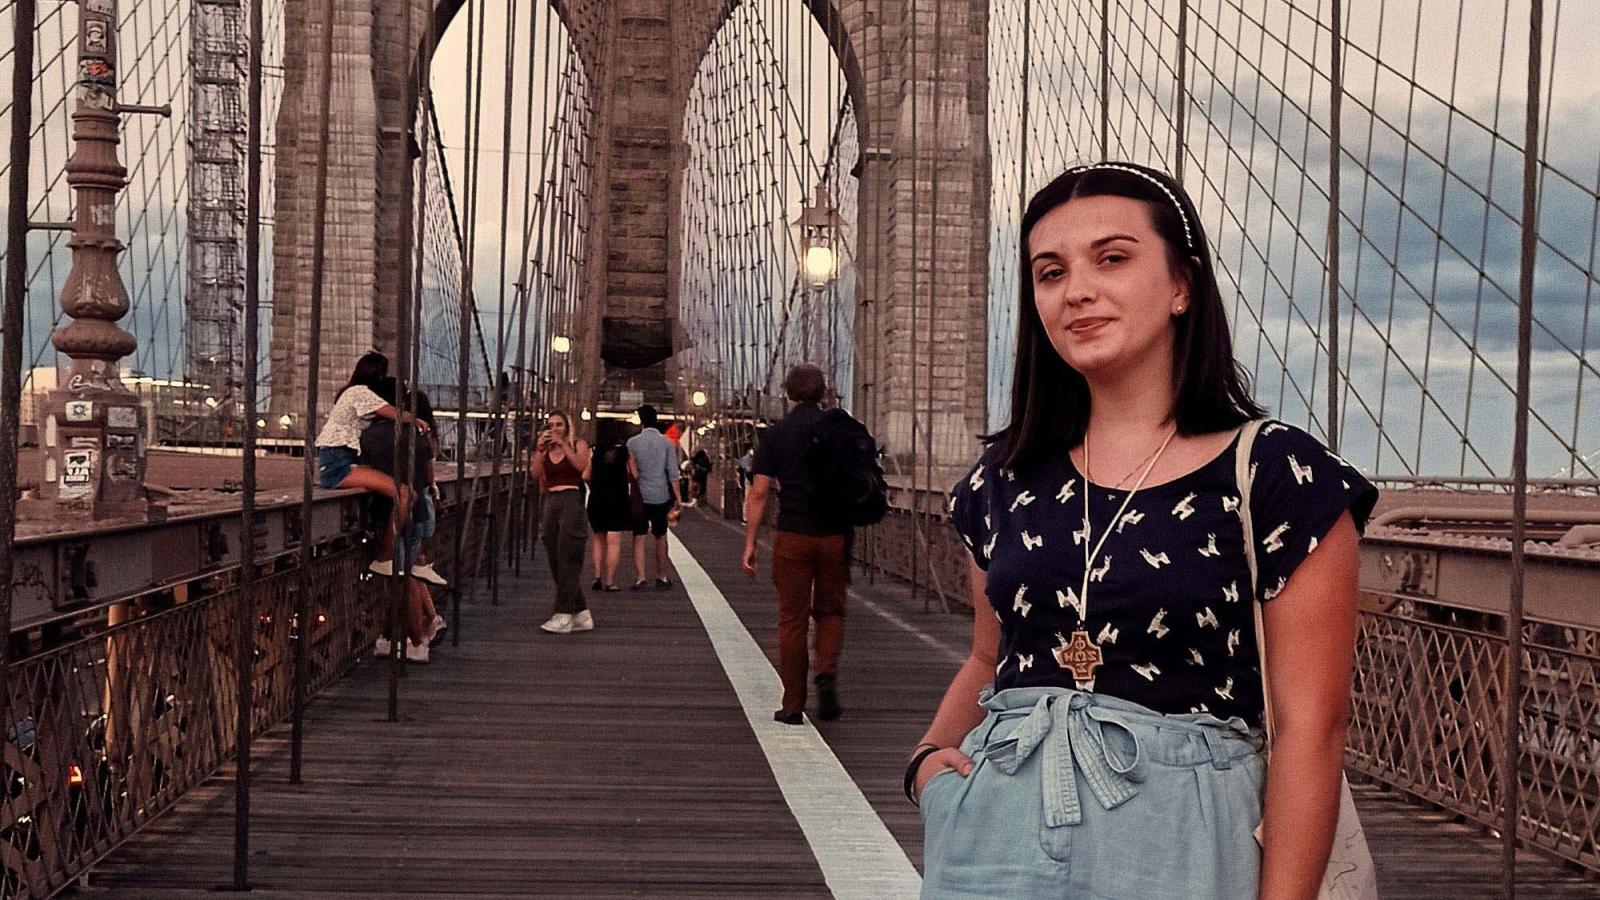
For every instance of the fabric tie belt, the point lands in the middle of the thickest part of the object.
(1072, 731)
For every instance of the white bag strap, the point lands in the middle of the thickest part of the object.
(1241, 475)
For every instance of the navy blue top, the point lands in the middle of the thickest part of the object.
(1168, 591)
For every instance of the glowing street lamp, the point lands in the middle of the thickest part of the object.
(561, 344)
(211, 402)
(820, 225)
(586, 415)
(286, 420)
(699, 398)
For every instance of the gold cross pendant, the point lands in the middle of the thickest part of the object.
(1080, 656)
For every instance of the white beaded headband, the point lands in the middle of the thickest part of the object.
(1188, 236)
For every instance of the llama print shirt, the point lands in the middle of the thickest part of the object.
(1169, 591)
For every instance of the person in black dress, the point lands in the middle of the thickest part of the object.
(610, 512)
(1113, 595)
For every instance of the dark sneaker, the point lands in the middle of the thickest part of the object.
(639, 585)
(598, 585)
(789, 718)
(828, 697)
(663, 584)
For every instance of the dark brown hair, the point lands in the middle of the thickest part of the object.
(1050, 399)
(805, 383)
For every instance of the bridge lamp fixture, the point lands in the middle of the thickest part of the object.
(820, 226)
(286, 420)
(211, 402)
(561, 344)
(586, 415)
(699, 398)
(261, 423)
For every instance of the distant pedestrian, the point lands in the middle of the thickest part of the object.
(700, 474)
(559, 459)
(810, 555)
(610, 511)
(653, 462)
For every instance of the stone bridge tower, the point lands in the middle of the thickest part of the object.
(642, 56)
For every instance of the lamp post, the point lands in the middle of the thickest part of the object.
(819, 225)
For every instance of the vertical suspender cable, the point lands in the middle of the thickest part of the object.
(465, 497)
(1180, 95)
(419, 241)
(252, 299)
(913, 73)
(1105, 79)
(929, 426)
(319, 231)
(246, 617)
(519, 474)
(1335, 152)
(16, 286)
(404, 438)
(497, 398)
(1022, 133)
(1511, 758)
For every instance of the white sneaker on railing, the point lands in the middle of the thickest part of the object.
(382, 566)
(417, 653)
(583, 621)
(426, 572)
(560, 623)
(381, 648)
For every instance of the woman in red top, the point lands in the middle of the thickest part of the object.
(558, 463)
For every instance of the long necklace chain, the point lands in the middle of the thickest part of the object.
(1089, 555)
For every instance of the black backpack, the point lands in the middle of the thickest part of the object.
(847, 486)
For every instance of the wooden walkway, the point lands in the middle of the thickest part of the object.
(620, 763)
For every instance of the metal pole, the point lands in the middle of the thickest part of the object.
(463, 347)
(246, 616)
(1335, 150)
(16, 286)
(1511, 759)
(1105, 79)
(930, 427)
(1180, 100)
(496, 400)
(319, 231)
(911, 407)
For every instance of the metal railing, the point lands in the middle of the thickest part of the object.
(107, 731)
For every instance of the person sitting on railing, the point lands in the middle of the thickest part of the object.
(423, 624)
(1104, 736)
(339, 443)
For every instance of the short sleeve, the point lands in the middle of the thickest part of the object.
(968, 504)
(1298, 491)
(764, 463)
(364, 401)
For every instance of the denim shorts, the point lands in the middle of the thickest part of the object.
(421, 530)
(1083, 795)
(334, 465)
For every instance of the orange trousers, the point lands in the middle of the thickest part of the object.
(810, 575)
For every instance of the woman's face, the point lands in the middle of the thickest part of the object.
(557, 426)
(1104, 286)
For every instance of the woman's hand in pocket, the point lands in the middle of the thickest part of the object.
(938, 761)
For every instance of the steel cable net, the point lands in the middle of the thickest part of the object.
(1430, 211)
(525, 194)
(769, 131)
(181, 214)
(439, 328)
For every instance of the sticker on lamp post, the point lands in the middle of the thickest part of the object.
(77, 474)
(80, 410)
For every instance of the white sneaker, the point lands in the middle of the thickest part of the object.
(381, 648)
(583, 621)
(560, 623)
(417, 653)
(426, 572)
(382, 566)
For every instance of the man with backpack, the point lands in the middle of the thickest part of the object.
(829, 482)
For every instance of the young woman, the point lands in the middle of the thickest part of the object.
(339, 444)
(558, 463)
(1103, 737)
(610, 512)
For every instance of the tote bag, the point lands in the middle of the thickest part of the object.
(1350, 874)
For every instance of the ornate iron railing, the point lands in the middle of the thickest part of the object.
(107, 731)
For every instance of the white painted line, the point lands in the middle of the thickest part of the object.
(857, 854)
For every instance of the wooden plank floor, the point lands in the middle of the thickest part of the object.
(619, 763)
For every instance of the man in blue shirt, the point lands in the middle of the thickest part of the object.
(653, 462)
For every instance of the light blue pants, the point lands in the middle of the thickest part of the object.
(1083, 795)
